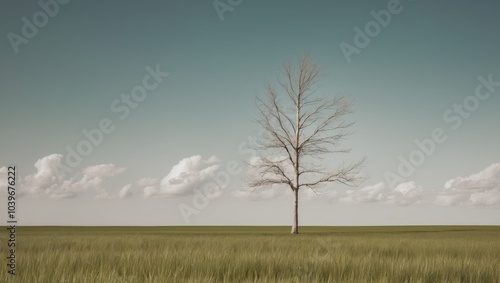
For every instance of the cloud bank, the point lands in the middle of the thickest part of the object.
(194, 173)
(478, 189)
(52, 181)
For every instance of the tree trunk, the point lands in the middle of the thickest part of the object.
(295, 225)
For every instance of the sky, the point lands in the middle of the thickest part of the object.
(141, 112)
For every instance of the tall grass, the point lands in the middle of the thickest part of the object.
(256, 254)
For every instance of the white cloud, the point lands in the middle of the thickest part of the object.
(71, 187)
(150, 191)
(256, 172)
(488, 198)
(104, 170)
(48, 172)
(124, 192)
(450, 198)
(405, 193)
(189, 174)
(487, 178)
(479, 189)
(367, 194)
(50, 180)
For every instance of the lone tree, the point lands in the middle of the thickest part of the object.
(300, 129)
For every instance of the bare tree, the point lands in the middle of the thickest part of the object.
(299, 131)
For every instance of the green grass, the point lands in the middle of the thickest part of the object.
(255, 254)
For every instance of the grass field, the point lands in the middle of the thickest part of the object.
(256, 254)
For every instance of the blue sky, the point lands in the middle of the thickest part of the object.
(63, 80)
